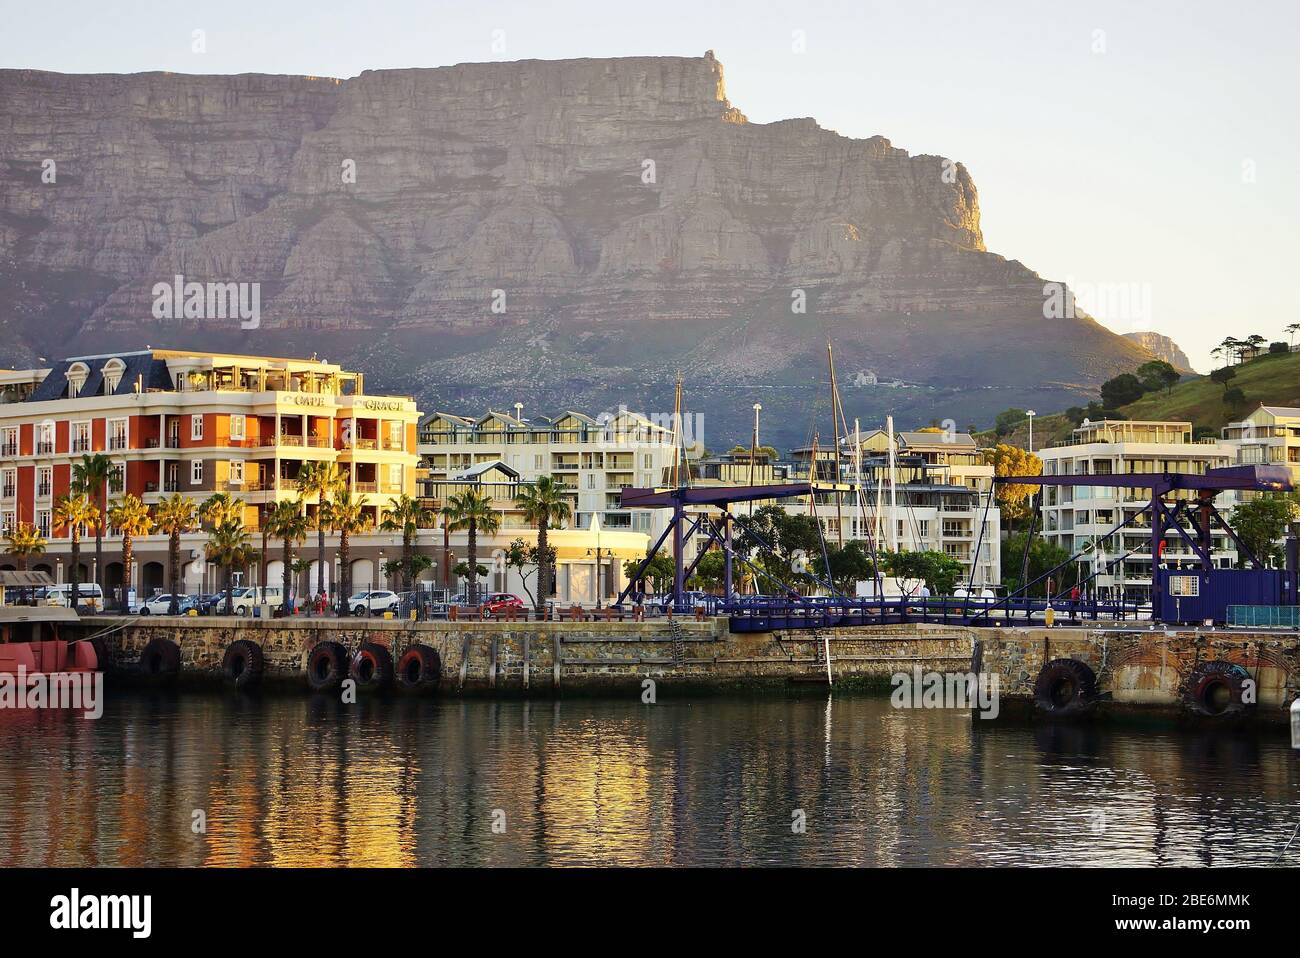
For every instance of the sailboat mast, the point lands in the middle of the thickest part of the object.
(893, 487)
(677, 432)
(835, 418)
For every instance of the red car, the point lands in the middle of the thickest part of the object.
(498, 603)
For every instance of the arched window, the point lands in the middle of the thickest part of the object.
(76, 375)
(113, 370)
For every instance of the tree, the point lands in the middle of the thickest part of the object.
(779, 543)
(1007, 420)
(1013, 497)
(1234, 396)
(471, 511)
(24, 541)
(1260, 522)
(129, 516)
(287, 522)
(230, 547)
(72, 512)
(1043, 557)
(544, 504)
(739, 451)
(407, 516)
(1222, 376)
(938, 570)
(348, 517)
(1120, 391)
(320, 479)
(660, 571)
(174, 515)
(1158, 374)
(848, 566)
(1291, 331)
(91, 476)
(520, 556)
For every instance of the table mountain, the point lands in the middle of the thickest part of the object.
(562, 233)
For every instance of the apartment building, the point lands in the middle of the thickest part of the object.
(195, 423)
(1077, 518)
(595, 457)
(1268, 436)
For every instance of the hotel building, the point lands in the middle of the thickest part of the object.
(194, 423)
(1076, 518)
(1268, 436)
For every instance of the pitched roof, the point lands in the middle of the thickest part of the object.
(151, 371)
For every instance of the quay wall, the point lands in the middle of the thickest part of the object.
(1139, 669)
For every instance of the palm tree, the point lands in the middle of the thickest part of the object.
(286, 521)
(230, 547)
(347, 516)
(1291, 331)
(320, 479)
(471, 511)
(130, 516)
(24, 541)
(91, 476)
(302, 565)
(71, 512)
(543, 503)
(174, 515)
(406, 516)
(221, 509)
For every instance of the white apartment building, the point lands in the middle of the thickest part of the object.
(595, 457)
(1268, 436)
(1077, 517)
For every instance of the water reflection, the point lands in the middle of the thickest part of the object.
(297, 781)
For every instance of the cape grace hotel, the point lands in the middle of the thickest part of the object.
(200, 423)
(197, 423)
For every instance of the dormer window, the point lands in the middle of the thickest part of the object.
(113, 370)
(77, 374)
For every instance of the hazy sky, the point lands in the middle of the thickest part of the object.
(1144, 151)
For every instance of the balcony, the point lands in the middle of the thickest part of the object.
(8, 492)
(117, 442)
(394, 445)
(9, 449)
(365, 487)
(43, 490)
(44, 448)
(81, 445)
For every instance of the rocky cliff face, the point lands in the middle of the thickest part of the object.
(561, 232)
(1162, 347)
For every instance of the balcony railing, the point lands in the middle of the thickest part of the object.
(44, 448)
(117, 442)
(9, 449)
(81, 445)
(8, 492)
(43, 490)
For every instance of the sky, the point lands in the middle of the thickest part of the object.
(1144, 152)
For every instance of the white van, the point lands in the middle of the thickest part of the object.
(88, 594)
(249, 597)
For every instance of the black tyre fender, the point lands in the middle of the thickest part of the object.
(372, 667)
(327, 666)
(419, 669)
(1216, 689)
(160, 661)
(243, 664)
(1065, 687)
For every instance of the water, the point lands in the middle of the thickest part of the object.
(705, 781)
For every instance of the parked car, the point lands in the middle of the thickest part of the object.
(376, 601)
(499, 602)
(88, 594)
(161, 604)
(249, 597)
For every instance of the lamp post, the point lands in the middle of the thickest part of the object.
(600, 555)
(1030, 414)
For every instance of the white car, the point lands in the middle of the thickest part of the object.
(370, 603)
(249, 597)
(161, 604)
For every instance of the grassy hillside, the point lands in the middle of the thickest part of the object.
(1271, 379)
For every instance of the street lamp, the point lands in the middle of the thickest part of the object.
(600, 555)
(1030, 414)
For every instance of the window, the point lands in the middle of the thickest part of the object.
(237, 470)
(537, 463)
(44, 477)
(113, 370)
(43, 522)
(8, 522)
(196, 471)
(81, 437)
(9, 441)
(196, 427)
(117, 477)
(395, 475)
(8, 483)
(236, 426)
(77, 374)
(117, 434)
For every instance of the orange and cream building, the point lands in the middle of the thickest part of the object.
(195, 423)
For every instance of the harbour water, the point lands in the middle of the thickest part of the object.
(165, 779)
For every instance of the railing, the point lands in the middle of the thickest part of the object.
(365, 487)
(9, 449)
(320, 442)
(44, 448)
(8, 492)
(81, 445)
(1265, 616)
(117, 442)
(43, 490)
